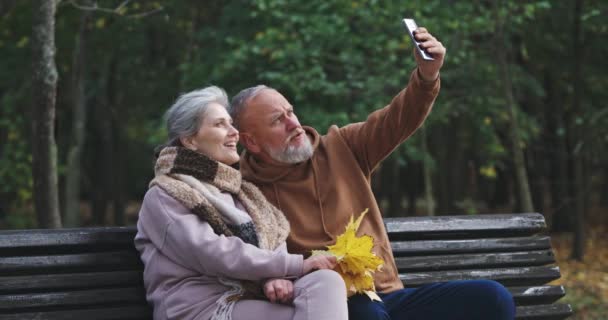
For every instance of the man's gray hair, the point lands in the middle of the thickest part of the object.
(184, 117)
(239, 102)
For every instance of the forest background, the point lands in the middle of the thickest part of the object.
(520, 124)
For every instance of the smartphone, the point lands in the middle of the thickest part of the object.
(410, 25)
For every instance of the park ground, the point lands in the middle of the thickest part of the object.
(586, 282)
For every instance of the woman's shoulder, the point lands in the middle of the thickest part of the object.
(157, 197)
(156, 194)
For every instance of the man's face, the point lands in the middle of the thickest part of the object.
(271, 130)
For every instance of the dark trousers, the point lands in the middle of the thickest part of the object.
(453, 300)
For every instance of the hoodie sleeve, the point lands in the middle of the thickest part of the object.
(192, 243)
(374, 139)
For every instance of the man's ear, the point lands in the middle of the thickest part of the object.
(249, 142)
(187, 143)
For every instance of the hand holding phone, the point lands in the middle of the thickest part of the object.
(411, 26)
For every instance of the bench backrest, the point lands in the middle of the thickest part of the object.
(89, 273)
(508, 248)
(95, 273)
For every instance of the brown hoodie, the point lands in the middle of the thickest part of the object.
(320, 195)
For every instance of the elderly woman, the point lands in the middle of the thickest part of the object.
(212, 246)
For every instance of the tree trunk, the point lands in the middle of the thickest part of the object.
(117, 157)
(428, 176)
(578, 245)
(44, 91)
(445, 164)
(604, 186)
(560, 218)
(72, 185)
(119, 175)
(103, 169)
(522, 184)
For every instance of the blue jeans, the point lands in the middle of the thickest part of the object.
(453, 300)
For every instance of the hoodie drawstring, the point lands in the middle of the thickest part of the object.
(318, 196)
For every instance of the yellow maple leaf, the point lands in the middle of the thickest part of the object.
(356, 261)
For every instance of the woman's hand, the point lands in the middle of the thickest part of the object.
(319, 262)
(279, 290)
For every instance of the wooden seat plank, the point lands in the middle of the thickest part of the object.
(507, 276)
(476, 260)
(537, 294)
(441, 227)
(38, 283)
(132, 295)
(556, 311)
(428, 247)
(109, 313)
(67, 237)
(118, 260)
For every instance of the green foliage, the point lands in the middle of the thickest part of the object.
(15, 153)
(336, 61)
(15, 158)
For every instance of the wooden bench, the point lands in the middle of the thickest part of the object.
(95, 273)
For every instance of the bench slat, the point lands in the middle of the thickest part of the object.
(119, 236)
(69, 281)
(556, 311)
(537, 294)
(476, 260)
(120, 260)
(424, 247)
(442, 227)
(133, 295)
(507, 276)
(113, 313)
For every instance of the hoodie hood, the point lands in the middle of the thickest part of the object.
(258, 171)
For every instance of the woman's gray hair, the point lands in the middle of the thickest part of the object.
(185, 115)
(239, 102)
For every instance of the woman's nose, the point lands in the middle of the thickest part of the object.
(233, 130)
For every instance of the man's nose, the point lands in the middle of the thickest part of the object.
(291, 123)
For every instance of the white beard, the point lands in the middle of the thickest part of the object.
(292, 154)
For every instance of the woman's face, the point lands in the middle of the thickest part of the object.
(216, 138)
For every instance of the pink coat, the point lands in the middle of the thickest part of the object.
(183, 259)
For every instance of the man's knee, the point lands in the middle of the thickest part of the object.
(495, 289)
(498, 299)
(361, 307)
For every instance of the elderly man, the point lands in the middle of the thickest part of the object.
(320, 181)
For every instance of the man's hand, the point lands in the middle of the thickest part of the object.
(279, 290)
(429, 70)
(319, 262)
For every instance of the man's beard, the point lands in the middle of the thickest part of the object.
(292, 154)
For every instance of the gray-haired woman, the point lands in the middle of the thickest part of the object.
(212, 246)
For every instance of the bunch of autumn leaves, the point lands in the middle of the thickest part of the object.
(356, 261)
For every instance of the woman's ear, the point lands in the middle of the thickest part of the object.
(187, 143)
(248, 141)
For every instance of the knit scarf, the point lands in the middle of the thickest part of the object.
(196, 181)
